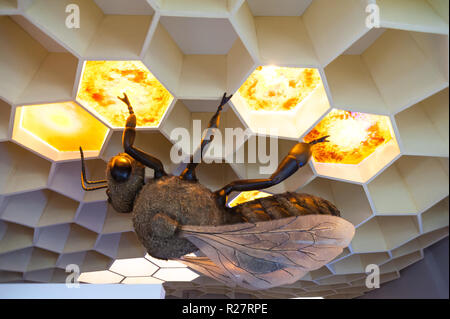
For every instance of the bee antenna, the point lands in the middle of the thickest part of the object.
(85, 181)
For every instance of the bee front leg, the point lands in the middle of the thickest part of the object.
(298, 156)
(163, 226)
(128, 138)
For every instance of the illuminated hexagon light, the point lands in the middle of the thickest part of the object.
(287, 100)
(247, 196)
(140, 270)
(360, 145)
(102, 81)
(57, 130)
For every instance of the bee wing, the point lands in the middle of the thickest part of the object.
(207, 267)
(267, 254)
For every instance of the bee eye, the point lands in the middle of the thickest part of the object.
(120, 168)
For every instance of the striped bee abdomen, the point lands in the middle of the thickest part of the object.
(284, 205)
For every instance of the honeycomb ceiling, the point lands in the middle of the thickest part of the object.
(397, 197)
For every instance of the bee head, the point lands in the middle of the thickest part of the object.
(125, 178)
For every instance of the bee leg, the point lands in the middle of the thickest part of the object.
(163, 226)
(298, 156)
(189, 171)
(128, 137)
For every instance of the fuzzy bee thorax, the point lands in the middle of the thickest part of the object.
(167, 199)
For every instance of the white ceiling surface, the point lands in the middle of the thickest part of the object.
(131, 7)
(46, 41)
(203, 105)
(362, 44)
(269, 8)
(200, 35)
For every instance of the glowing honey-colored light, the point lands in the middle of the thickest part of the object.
(353, 136)
(247, 196)
(103, 81)
(63, 126)
(272, 88)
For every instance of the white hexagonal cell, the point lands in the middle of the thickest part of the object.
(403, 15)
(436, 217)
(322, 272)
(141, 280)
(340, 279)
(52, 238)
(383, 233)
(94, 261)
(79, 239)
(129, 246)
(8, 6)
(109, 29)
(133, 267)
(404, 261)
(215, 175)
(357, 263)
(5, 113)
(39, 208)
(411, 185)
(281, 101)
(108, 244)
(350, 199)
(100, 277)
(42, 276)
(267, 8)
(32, 62)
(196, 8)
(21, 170)
(16, 260)
(10, 276)
(185, 129)
(221, 67)
(320, 18)
(165, 263)
(116, 222)
(430, 238)
(395, 51)
(70, 259)
(176, 274)
(65, 179)
(92, 216)
(423, 128)
(14, 237)
(42, 259)
(372, 78)
(294, 48)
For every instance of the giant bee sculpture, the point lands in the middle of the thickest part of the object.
(259, 244)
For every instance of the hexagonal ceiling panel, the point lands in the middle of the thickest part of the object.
(360, 145)
(103, 81)
(57, 130)
(281, 101)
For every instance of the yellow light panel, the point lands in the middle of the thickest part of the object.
(247, 196)
(353, 136)
(103, 81)
(271, 88)
(63, 126)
